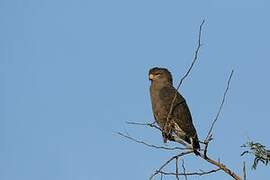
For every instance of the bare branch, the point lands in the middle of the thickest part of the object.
(150, 145)
(168, 161)
(175, 138)
(220, 165)
(209, 135)
(184, 169)
(152, 125)
(188, 71)
(244, 170)
(190, 174)
(216, 163)
(176, 168)
(195, 56)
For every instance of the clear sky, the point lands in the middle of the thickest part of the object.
(72, 72)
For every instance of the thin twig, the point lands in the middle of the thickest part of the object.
(190, 174)
(152, 125)
(150, 145)
(184, 169)
(208, 137)
(188, 71)
(168, 161)
(176, 168)
(195, 56)
(244, 170)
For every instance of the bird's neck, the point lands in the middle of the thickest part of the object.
(158, 85)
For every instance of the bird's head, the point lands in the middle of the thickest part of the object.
(160, 75)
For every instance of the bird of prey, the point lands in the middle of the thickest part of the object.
(179, 121)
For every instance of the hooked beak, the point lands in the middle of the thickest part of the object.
(151, 77)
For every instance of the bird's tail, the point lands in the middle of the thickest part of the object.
(195, 144)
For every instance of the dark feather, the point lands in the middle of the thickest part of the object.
(180, 122)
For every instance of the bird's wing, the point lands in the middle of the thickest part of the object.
(180, 114)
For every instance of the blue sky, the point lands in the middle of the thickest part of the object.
(72, 73)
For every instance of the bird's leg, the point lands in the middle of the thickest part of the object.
(167, 132)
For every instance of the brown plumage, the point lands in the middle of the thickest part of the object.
(179, 123)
